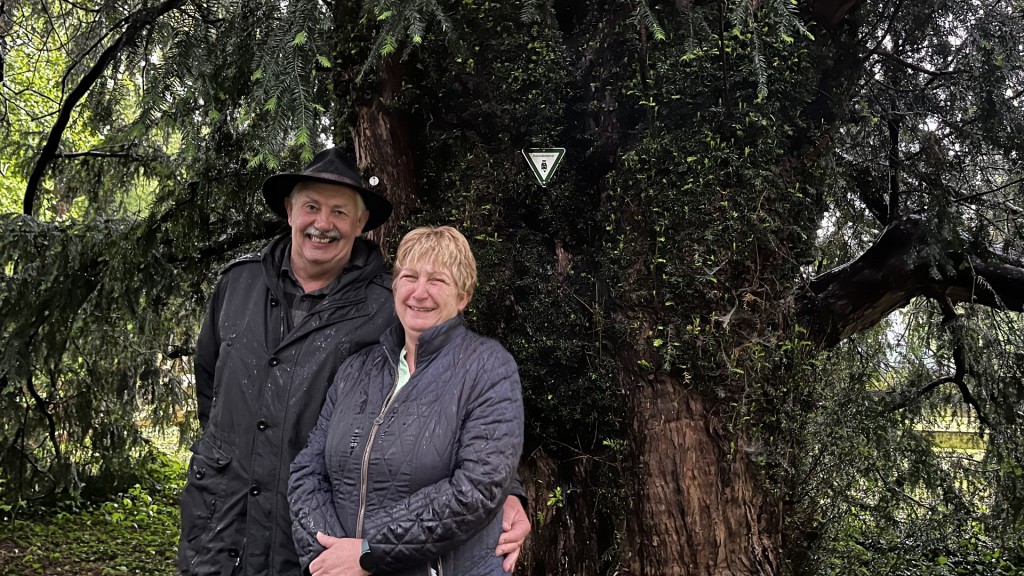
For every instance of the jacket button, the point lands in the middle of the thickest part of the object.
(261, 425)
(200, 473)
(254, 490)
(274, 361)
(233, 552)
(273, 301)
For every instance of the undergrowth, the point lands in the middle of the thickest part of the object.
(135, 532)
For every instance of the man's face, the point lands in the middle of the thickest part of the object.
(325, 221)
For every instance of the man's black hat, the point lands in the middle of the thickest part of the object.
(329, 167)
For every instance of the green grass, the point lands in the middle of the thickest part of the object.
(133, 533)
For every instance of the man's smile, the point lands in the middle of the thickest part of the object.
(316, 236)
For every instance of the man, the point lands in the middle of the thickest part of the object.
(278, 325)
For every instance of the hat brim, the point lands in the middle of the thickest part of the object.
(277, 187)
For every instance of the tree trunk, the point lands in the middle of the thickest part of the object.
(700, 509)
(569, 531)
(380, 132)
(382, 144)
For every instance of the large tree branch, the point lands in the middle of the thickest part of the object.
(139, 22)
(894, 270)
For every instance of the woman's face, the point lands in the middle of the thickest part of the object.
(426, 296)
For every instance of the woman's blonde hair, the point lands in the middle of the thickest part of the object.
(443, 248)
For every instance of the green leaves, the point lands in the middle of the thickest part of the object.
(388, 45)
(404, 24)
(134, 532)
(647, 19)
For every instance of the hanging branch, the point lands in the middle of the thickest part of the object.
(139, 22)
(894, 58)
(960, 370)
(958, 377)
(965, 392)
(44, 407)
(893, 211)
(977, 195)
(921, 393)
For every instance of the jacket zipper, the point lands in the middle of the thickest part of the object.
(364, 470)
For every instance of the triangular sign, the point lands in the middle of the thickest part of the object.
(544, 162)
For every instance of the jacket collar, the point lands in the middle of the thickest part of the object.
(365, 261)
(432, 341)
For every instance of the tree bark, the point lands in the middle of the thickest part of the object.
(382, 144)
(568, 517)
(700, 509)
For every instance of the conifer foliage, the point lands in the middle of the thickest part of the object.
(767, 314)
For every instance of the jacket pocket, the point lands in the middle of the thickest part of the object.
(205, 486)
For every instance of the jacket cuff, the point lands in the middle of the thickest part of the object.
(518, 491)
(364, 556)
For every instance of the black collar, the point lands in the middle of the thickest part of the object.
(431, 341)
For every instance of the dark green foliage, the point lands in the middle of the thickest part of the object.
(703, 234)
(507, 93)
(88, 352)
(872, 489)
(717, 156)
(103, 290)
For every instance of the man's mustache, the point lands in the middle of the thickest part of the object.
(312, 230)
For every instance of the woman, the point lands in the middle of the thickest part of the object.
(418, 440)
